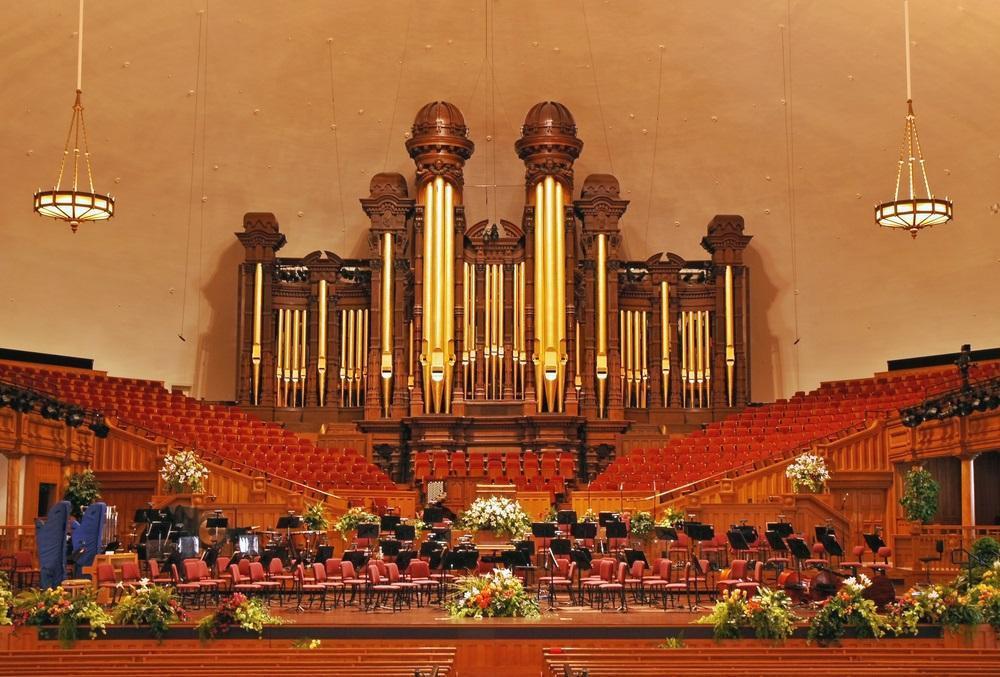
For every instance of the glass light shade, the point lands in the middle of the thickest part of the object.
(914, 214)
(74, 206)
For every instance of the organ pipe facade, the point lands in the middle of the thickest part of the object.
(456, 324)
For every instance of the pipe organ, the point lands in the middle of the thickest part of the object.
(539, 331)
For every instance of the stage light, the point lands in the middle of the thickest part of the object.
(51, 410)
(6, 397)
(100, 428)
(74, 418)
(23, 403)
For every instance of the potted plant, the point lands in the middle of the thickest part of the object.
(150, 605)
(82, 489)
(240, 611)
(350, 520)
(671, 517)
(808, 473)
(920, 496)
(315, 517)
(847, 608)
(183, 472)
(6, 600)
(641, 525)
(497, 594)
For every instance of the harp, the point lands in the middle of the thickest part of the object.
(50, 538)
(88, 538)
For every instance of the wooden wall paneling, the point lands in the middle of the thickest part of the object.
(987, 475)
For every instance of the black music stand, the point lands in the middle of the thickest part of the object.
(441, 534)
(634, 555)
(699, 533)
(565, 518)
(403, 559)
(369, 531)
(777, 545)
(433, 515)
(874, 543)
(584, 531)
(405, 532)
(800, 551)
(832, 546)
(783, 529)
(527, 550)
(583, 559)
(604, 517)
(545, 531)
(323, 553)
(388, 522)
(617, 530)
(390, 547)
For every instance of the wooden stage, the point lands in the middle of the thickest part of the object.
(481, 646)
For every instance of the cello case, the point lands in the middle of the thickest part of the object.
(50, 540)
(87, 536)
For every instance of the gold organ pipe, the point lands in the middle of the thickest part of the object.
(472, 330)
(361, 361)
(343, 357)
(438, 350)
(286, 371)
(255, 349)
(627, 353)
(700, 356)
(708, 359)
(488, 329)
(296, 322)
(665, 340)
(410, 381)
(386, 314)
(500, 330)
(427, 338)
(303, 369)
(279, 362)
(602, 322)
(730, 336)
(350, 357)
(448, 295)
(515, 330)
(523, 356)
(682, 338)
(559, 325)
(577, 360)
(539, 284)
(643, 366)
(636, 354)
(465, 327)
(548, 283)
(321, 353)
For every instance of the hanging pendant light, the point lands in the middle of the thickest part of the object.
(913, 213)
(74, 205)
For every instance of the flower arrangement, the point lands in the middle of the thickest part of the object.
(641, 525)
(847, 607)
(82, 489)
(150, 605)
(307, 643)
(768, 613)
(916, 606)
(498, 514)
(54, 606)
(671, 517)
(987, 596)
(6, 600)
(238, 610)
(808, 472)
(183, 472)
(920, 495)
(589, 516)
(350, 520)
(496, 594)
(315, 517)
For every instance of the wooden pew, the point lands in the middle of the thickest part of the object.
(164, 660)
(742, 659)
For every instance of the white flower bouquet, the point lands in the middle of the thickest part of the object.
(498, 514)
(184, 471)
(808, 472)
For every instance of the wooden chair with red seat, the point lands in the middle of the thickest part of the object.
(407, 589)
(419, 573)
(158, 577)
(636, 579)
(818, 558)
(351, 581)
(185, 589)
(754, 580)
(130, 575)
(335, 586)
(590, 585)
(107, 580)
(378, 591)
(568, 584)
(276, 572)
(196, 572)
(24, 569)
(737, 574)
(655, 584)
(883, 554)
(614, 588)
(304, 587)
(242, 583)
(857, 562)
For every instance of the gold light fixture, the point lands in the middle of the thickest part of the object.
(75, 205)
(913, 213)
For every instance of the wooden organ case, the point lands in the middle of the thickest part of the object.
(536, 336)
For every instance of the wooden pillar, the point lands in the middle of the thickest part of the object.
(15, 501)
(969, 490)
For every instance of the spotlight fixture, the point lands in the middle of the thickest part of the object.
(51, 410)
(6, 397)
(23, 403)
(912, 213)
(74, 418)
(100, 428)
(74, 205)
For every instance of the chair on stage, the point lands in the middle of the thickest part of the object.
(407, 589)
(320, 578)
(196, 572)
(883, 553)
(25, 573)
(106, 580)
(349, 577)
(303, 587)
(614, 588)
(158, 577)
(818, 556)
(855, 564)
(242, 583)
(737, 574)
(419, 573)
(130, 575)
(378, 591)
(186, 589)
(267, 586)
(591, 584)
(655, 584)
(753, 581)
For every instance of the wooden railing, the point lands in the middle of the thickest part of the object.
(14, 537)
(954, 540)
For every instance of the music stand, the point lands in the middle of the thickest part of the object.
(357, 558)
(583, 531)
(323, 553)
(545, 531)
(368, 530)
(390, 548)
(604, 517)
(874, 543)
(737, 540)
(783, 529)
(388, 522)
(633, 555)
(822, 531)
(405, 532)
(404, 558)
(800, 550)
(433, 515)
(616, 530)
(441, 534)
(777, 545)
(289, 522)
(831, 545)
(217, 523)
(559, 546)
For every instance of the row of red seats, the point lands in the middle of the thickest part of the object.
(496, 467)
(759, 433)
(226, 431)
